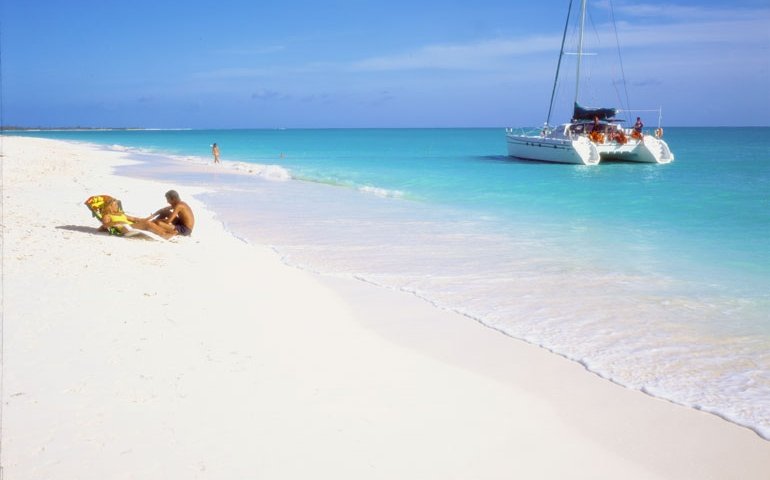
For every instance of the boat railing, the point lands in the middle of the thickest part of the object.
(525, 132)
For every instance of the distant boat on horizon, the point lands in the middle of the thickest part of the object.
(592, 135)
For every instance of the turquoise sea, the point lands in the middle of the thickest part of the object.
(654, 276)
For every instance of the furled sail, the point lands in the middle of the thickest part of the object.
(582, 113)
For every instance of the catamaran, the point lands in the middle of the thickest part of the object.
(592, 135)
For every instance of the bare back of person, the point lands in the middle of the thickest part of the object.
(176, 219)
(182, 218)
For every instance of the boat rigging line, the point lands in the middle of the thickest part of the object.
(620, 58)
(558, 66)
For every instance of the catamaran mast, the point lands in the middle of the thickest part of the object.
(580, 47)
(558, 66)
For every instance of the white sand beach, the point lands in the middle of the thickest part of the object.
(208, 358)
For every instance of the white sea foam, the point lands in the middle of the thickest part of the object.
(382, 192)
(636, 323)
(267, 171)
(270, 172)
(646, 331)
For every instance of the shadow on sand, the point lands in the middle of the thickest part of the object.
(81, 229)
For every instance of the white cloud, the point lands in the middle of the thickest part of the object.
(459, 56)
(746, 33)
(701, 36)
(695, 27)
(678, 13)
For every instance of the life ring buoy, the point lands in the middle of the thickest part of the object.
(659, 132)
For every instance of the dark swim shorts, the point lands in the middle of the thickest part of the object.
(182, 230)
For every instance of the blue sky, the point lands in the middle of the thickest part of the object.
(347, 63)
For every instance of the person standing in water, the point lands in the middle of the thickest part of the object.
(215, 152)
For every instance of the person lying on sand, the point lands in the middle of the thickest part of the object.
(114, 219)
(176, 219)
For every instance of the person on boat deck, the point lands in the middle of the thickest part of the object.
(176, 219)
(638, 126)
(597, 126)
(617, 135)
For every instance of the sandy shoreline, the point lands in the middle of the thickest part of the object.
(208, 358)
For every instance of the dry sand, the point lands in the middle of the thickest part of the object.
(206, 357)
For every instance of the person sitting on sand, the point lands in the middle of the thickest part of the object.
(176, 219)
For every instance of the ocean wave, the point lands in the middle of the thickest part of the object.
(270, 172)
(381, 192)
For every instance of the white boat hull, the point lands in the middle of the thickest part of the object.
(578, 149)
(593, 134)
(649, 150)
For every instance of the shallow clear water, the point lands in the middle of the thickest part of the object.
(656, 276)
